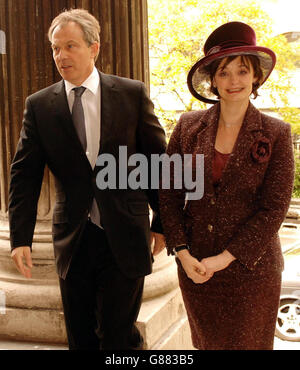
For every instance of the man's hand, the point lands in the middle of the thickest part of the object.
(20, 253)
(194, 269)
(158, 243)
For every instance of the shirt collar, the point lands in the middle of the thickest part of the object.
(91, 83)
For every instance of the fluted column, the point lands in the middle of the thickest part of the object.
(27, 65)
(33, 307)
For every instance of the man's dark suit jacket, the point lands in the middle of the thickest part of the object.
(48, 137)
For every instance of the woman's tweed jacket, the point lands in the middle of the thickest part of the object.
(243, 214)
(246, 211)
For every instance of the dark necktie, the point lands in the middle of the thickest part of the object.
(78, 116)
(78, 120)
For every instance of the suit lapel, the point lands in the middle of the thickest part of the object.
(107, 113)
(206, 139)
(205, 145)
(108, 101)
(64, 117)
(62, 112)
(249, 130)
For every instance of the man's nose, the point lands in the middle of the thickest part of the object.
(62, 54)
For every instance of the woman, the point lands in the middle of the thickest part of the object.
(226, 243)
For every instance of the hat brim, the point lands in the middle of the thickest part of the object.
(198, 79)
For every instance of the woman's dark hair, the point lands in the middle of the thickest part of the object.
(246, 59)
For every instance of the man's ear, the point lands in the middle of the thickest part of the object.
(95, 47)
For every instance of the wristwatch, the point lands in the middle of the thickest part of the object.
(180, 248)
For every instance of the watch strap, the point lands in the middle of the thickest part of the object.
(180, 248)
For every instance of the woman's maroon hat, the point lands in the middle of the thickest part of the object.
(233, 38)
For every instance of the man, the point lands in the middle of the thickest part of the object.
(101, 237)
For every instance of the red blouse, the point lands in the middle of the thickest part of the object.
(219, 163)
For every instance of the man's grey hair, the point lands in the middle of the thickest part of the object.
(87, 22)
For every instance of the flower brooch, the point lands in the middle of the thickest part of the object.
(261, 150)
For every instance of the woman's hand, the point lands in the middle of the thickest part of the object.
(194, 269)
(218, 262)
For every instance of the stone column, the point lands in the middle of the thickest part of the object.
(33, 308)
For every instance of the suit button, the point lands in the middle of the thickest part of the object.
(212, 201)
(210, 228)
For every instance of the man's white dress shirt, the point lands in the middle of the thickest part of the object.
(91, 107)
(92, 115)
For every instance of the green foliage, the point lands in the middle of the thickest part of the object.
(291, 115)
(296, 191)
(178, 30)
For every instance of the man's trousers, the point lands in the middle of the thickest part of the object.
(100, 303)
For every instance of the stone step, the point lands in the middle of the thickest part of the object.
(29, 346)
(162, 322)
(33, 325)
(159, 315)
(178, 337)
